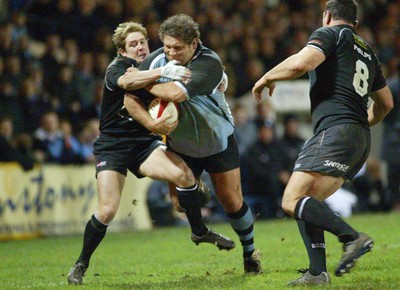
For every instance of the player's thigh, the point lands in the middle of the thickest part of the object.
(228, 189)
(163, 164)
(109, 186)
(314, 184)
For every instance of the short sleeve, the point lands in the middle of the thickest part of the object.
(115, 70)
(324, 40)
(207, 72)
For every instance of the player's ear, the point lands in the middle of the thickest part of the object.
(121, 52)
(195, 43)
(328, 17)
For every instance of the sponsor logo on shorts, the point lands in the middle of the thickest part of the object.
(318, 245)
(101, 163)
(337, 165)
(297, 165)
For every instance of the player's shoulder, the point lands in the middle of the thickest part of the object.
(122, 62)
(206, 53)
(151, 60)
(326, 32)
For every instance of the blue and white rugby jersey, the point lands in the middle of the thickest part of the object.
(205, 120)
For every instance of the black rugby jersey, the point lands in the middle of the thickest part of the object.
(341, 85)
(112, 122)
(206, 67)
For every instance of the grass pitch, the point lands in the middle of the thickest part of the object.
(167, 259)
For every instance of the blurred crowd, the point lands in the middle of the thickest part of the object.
(53, 55)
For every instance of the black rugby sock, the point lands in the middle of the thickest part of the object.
(190, 201)
(314, 240)
(94, 234)
(320, 215)
(242, 223)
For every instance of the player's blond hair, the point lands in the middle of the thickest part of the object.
(122, 31)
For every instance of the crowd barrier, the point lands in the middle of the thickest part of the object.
(59, 200)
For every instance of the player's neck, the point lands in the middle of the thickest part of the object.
(340, 22)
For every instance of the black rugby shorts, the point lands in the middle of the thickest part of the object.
(122, 154)
(340, 150)
(216, 163)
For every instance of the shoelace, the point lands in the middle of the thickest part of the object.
(302, 271)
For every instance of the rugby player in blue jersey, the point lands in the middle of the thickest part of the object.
(204, 136)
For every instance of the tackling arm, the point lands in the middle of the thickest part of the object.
(138, 112)
(169, 91)
(134, 79)
(383, 103)
(291, 68)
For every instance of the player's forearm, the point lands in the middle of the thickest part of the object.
(167, 91)
(136, 110)
(296, 65)
(133, 80)
(289, 69)
(376, 113)
(382, 105)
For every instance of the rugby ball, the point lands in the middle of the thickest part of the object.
(159, 107)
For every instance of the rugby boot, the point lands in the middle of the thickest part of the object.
(352, 251)
(222, 242)
(308, 279)
(252, 264)
(76, 274)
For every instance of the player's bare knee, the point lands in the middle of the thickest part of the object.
(106, 214)
(185, 178)
(288, 206)
(231, 203)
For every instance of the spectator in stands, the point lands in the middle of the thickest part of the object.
(50, 143)
(264, 114)
(85, 79)
(10, 106)
(32, 103)
(369, 188)
(290, 144)
(71, 51)
(9, 151)
(245, 128)
(64, 93)
(53, 57)
(65, 14)
(72, 152)
(88, 22)
(391, 143)
(6, 40)
(87, 136)
(13, 71)
(161, 209)
(262, 163)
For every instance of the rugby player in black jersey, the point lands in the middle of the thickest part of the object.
(125, 144)
(344, 72)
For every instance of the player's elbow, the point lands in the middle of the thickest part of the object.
(388, 105)
(129, 85)
(300, 67)
(384, 99)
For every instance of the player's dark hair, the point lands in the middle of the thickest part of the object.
(343, 10)
(180, 26)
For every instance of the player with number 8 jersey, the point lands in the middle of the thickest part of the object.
(345, 79)
(344, 73)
